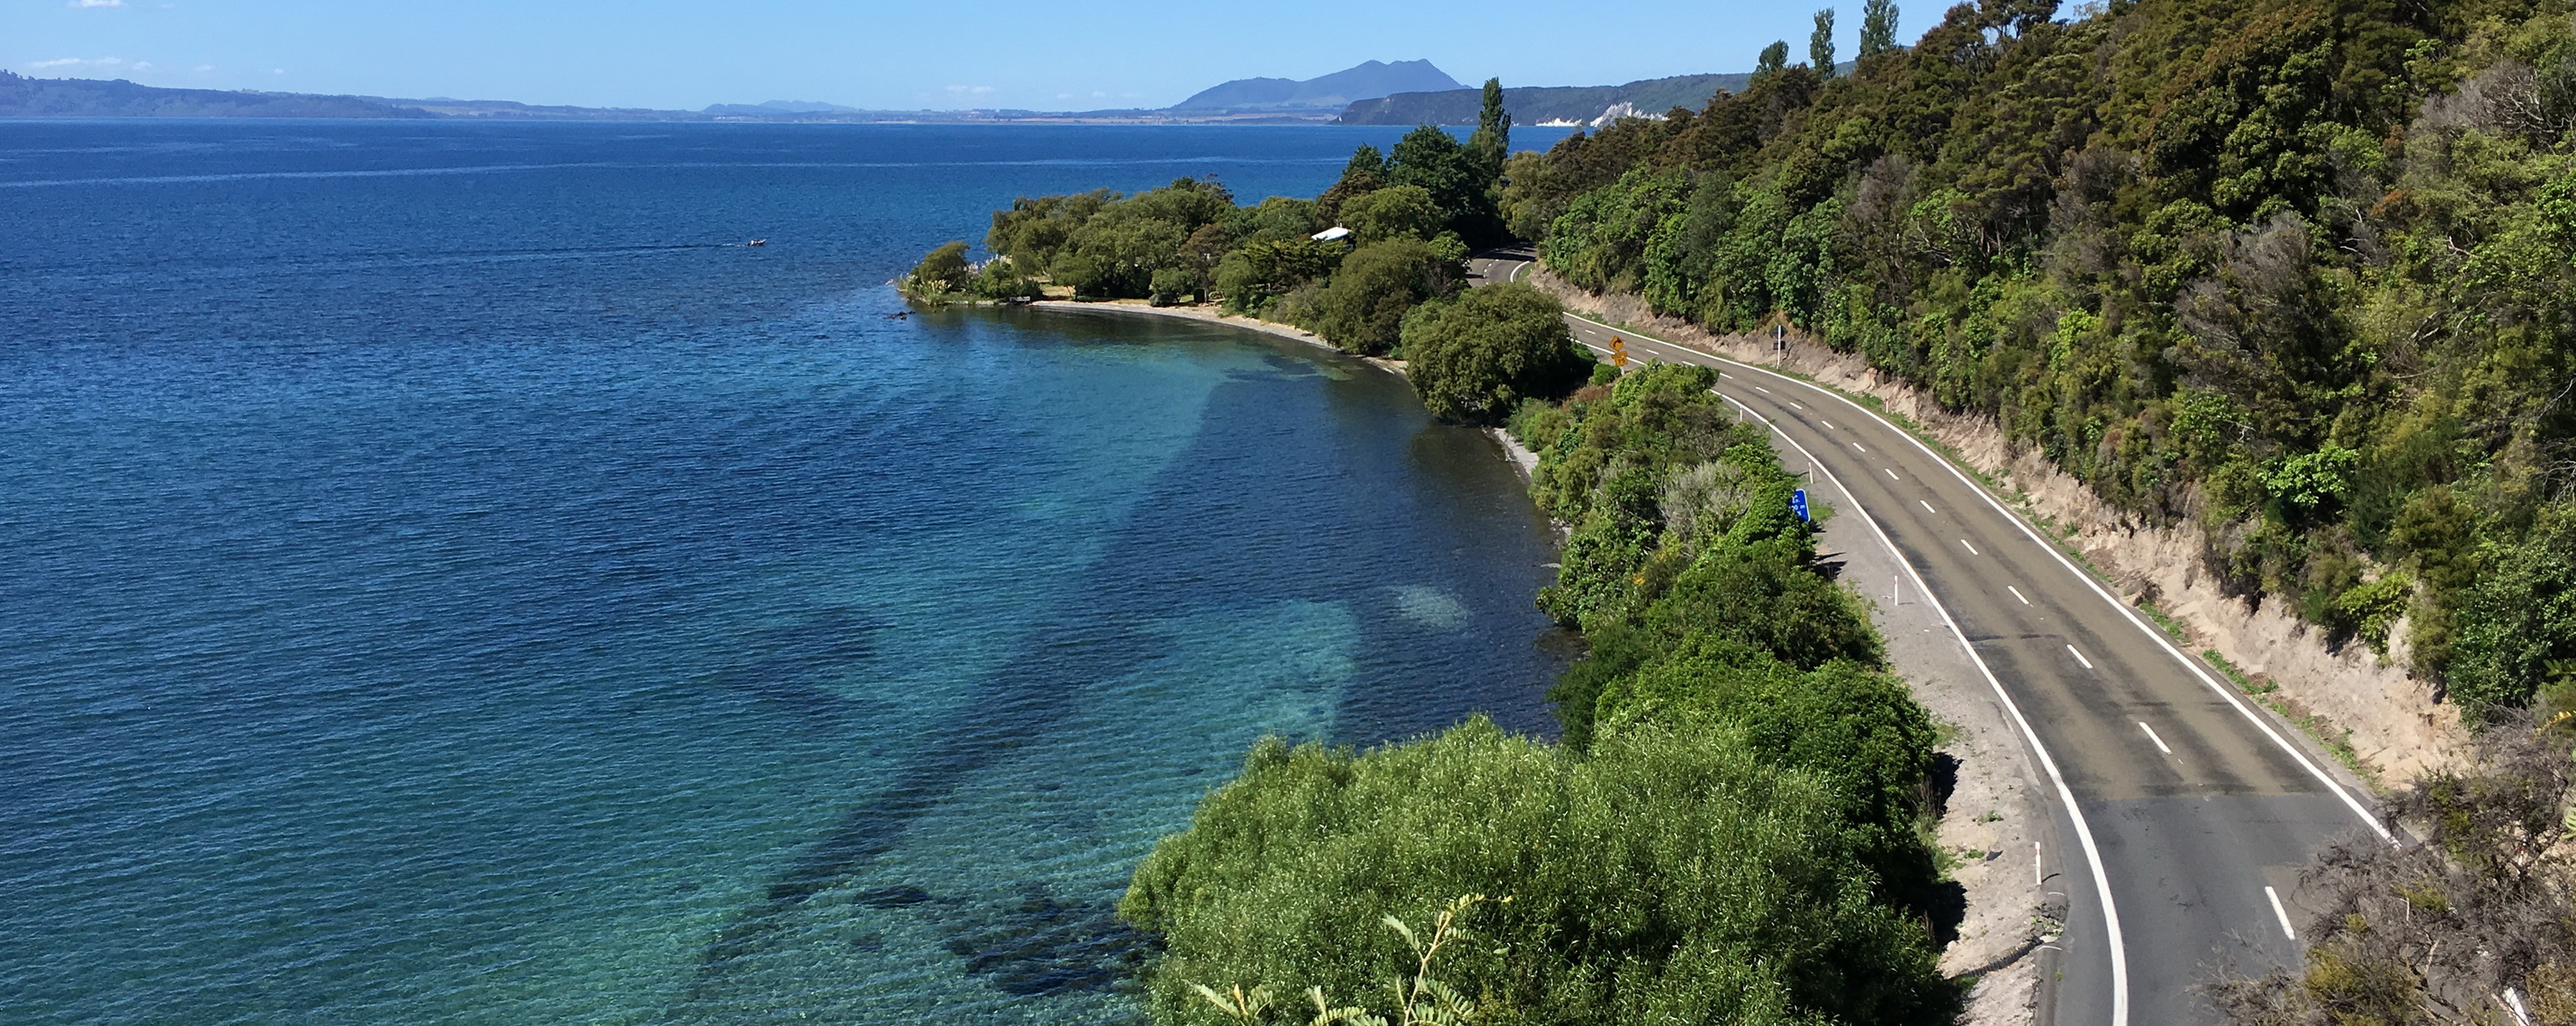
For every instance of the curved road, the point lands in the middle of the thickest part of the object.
(2186, 810)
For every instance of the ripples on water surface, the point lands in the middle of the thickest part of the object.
(446, 578)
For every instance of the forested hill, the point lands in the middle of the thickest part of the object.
(73, 97)
(1533, 105)
(1328, 93)
(2301, 271)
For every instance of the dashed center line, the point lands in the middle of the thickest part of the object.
(1927, 507)
(2079, 657)
(1891, 475)
(1762, 390)
(1972, 550)
(1856, 445)
(1795, 406)
(1829, 425)
(2017, 594)
(2282, 913)
(2151, 736)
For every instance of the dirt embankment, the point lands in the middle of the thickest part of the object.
(2389, 718)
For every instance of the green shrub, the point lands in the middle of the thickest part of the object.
(1173, 285)
(1476, 358)
(1395, 212)
(1001, 281)
(943, 271)
(2517, 625)
(1670, 875)
(1362, 308)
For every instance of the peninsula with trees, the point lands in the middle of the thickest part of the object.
(2292, 276)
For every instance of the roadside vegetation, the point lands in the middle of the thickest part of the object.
(1733, 829)
(2294, 272)
(2477, 924)
(2297, 271)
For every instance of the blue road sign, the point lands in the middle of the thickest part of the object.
(1798, 503)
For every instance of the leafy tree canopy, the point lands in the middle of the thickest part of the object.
(1476, 358)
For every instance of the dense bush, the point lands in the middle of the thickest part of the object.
(941, 271)
(1402, 211)
(1668, 876)
(2283, 268)
(1476, 358)
(1362, 308)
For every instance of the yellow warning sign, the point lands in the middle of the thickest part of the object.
(1618, 351)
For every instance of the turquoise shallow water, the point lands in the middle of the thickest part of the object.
(444, 580)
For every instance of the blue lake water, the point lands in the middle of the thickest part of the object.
(446, 578)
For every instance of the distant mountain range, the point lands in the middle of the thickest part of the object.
(1373, 93)
(1327, 94)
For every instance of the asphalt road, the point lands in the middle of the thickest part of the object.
(2185, 811)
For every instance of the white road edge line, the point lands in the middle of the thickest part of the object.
(2151, 736)
(2025, 600)
(2079, 657)
(2283, 913)
(2065, 795)
(1972, 550)
(2135, 620)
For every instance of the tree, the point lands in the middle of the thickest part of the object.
(1774, 59)
(1430, 157)
(1002, 281)
(1474, 359)
(1365, 172)
(1400, 211)
(1669, 876)
(1820, 45)
(1877, 28)
(1363, 306)
(1492, 141)
(942, 271)
(1263, 270)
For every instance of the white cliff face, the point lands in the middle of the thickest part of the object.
(1623, 109)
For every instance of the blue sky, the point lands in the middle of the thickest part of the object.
(993, 53)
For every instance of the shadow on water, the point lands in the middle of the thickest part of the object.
(812, 653)
(1285, 439)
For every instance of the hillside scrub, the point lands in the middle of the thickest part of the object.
(2295, 271)
(2443, 931)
